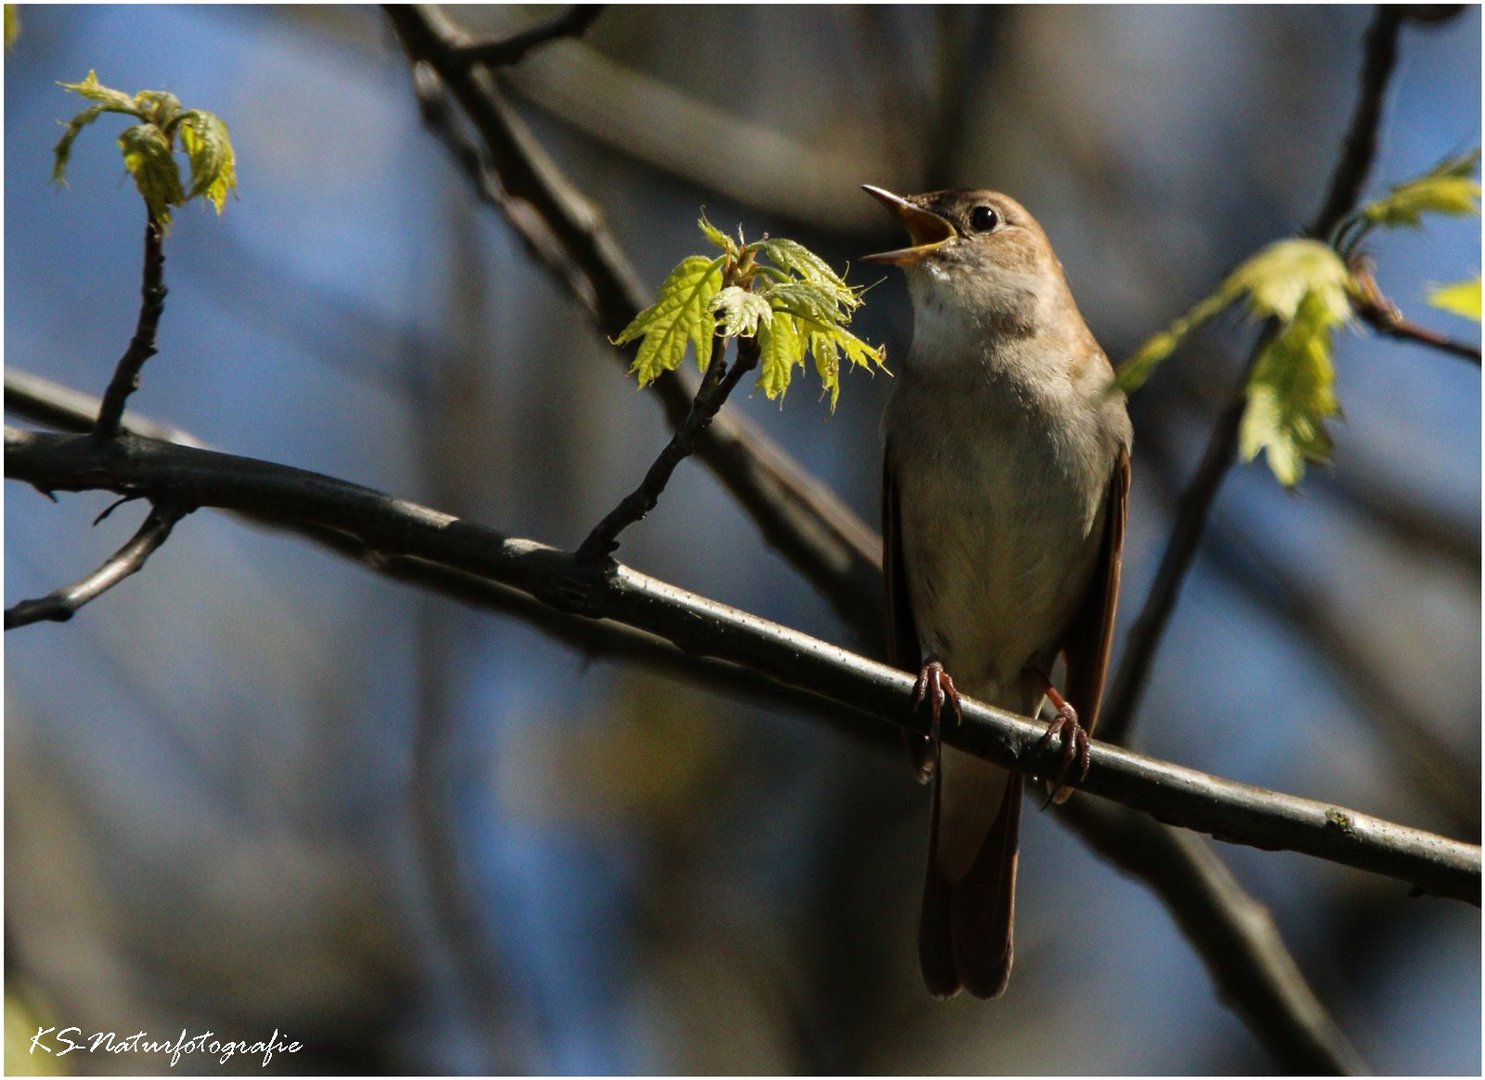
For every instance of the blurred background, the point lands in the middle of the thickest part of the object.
(211, 814)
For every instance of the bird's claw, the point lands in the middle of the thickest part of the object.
(937, 685)
(1065, 726)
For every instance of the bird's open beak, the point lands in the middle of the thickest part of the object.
(927, 230)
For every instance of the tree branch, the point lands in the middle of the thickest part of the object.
(142, 345)
(386, 526)
(571, 23)
(801, 517)
(1222, 924)
(716, 386)
(61, 605)
(1195, 505)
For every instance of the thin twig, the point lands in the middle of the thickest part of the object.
(803, 518)
(1177, 795)
(716, 386)
(1387, 321)
(1196, 501)
(571, 23)
(61, 605)
(1385, 317)
(142, 345)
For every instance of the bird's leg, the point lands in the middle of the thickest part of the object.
(1064, 726)
(937, 685)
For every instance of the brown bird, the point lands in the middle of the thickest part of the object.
(1006, 483)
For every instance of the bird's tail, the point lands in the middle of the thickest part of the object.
(965, 935)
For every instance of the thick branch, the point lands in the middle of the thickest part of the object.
(717, 385)
(61, 605)
(801, 517)
(1253, 969)
(142, 345)
(509, 50)
(1195, 504)
(387, 526)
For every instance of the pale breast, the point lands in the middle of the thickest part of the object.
(1001, 495)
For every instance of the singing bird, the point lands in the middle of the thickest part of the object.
(1005, 490)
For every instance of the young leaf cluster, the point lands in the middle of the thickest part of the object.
(775, 291)
(1308, 289)
(149, 146)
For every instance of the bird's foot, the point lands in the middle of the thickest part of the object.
(935, 684)
(1065, 726)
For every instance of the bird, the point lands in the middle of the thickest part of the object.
(1006, 472)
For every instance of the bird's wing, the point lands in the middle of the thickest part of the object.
(1090, 639)
(903, 648)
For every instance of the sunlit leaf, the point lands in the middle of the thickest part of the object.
(209, 148)
(159, 107)
(781, 347)
(795, 258)
(739, 312)
(62, 152)
(156, 173)
(1292, 393)
(681, 315)
(12, 24)
(1274, 282)
(1449, 188)
(93, 90)
(1461, 298)
(717, 236)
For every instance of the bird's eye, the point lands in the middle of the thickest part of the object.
(983, 218)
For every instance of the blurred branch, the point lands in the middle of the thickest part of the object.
(1195, 504)
(387, 526)
(1233, 933)
(801, 517)
(508, 50)
(1384, 317)
(714, 147)
(66, 409)
(61, 605)
(716, 387)
(142, 345)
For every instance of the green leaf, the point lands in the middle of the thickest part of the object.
(795, 258)
(682, 314)
(806, 300)
(159, 107)
(12, 24)
(209, 148)
(740, 312)
(62, 152)
(112, 100)
(1287, 273)
(780, 348)
(107, 101)
(1292, 393)
(1448, 188)
(1275, 282)
(1461, 298)
(157, 175)
(717, 236)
